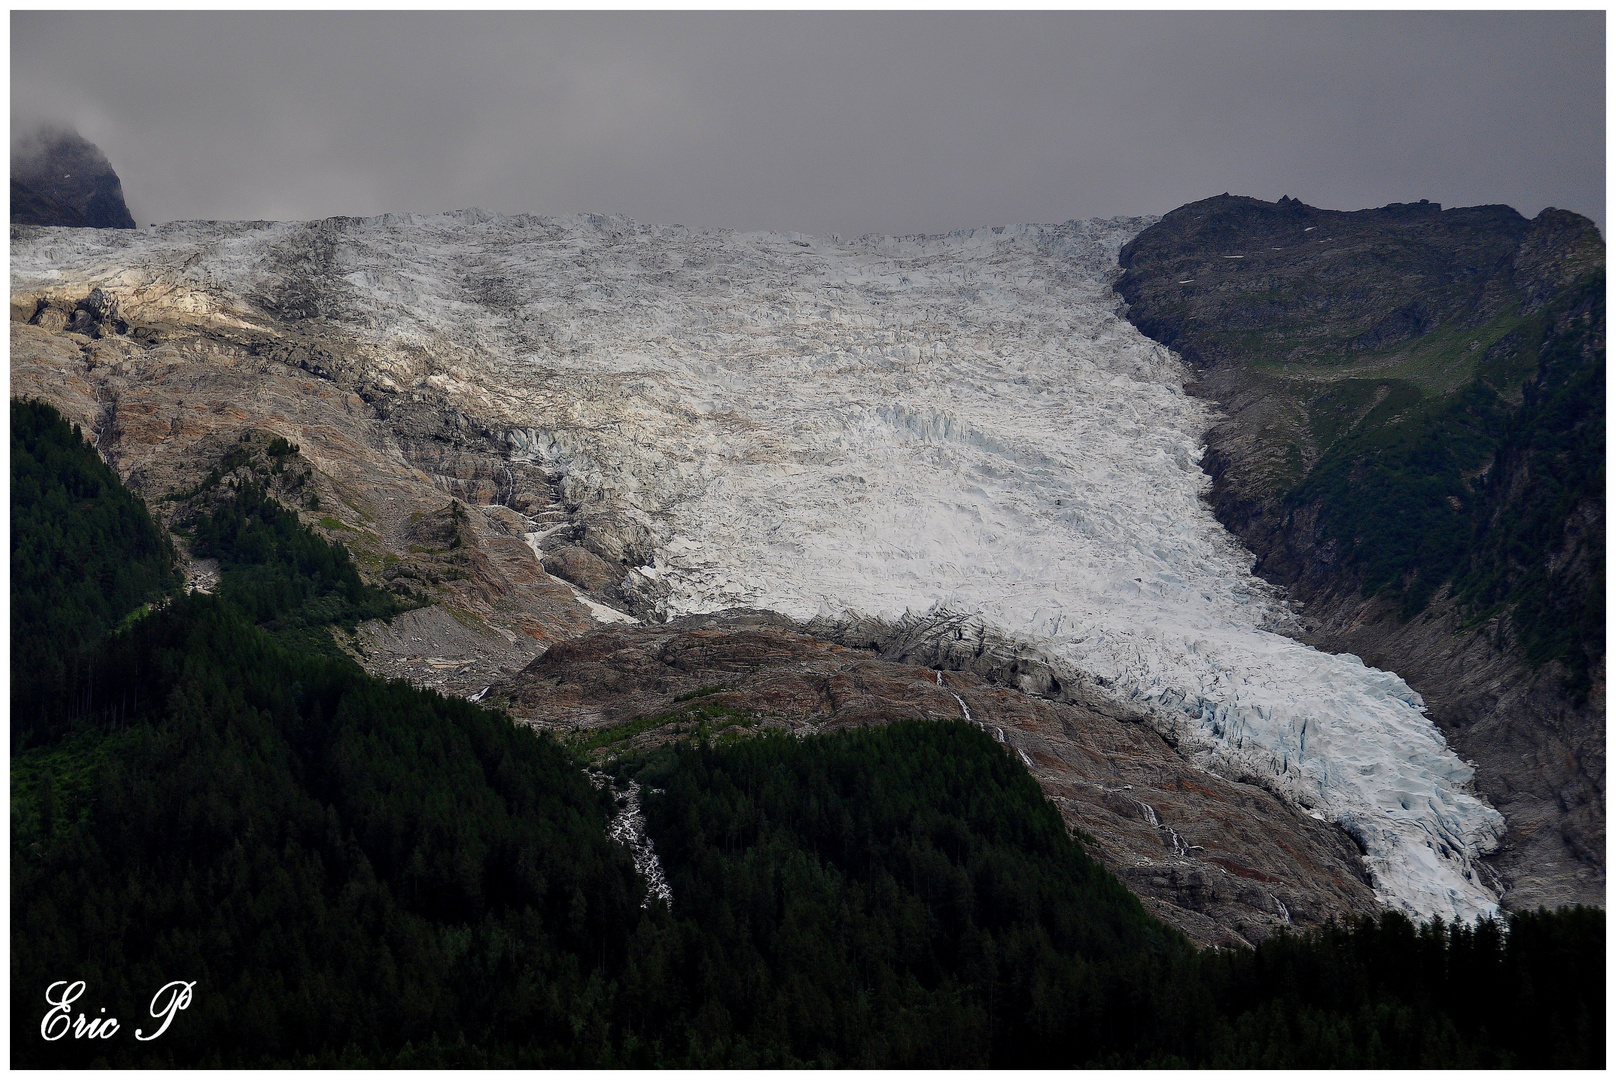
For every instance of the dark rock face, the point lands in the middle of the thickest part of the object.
(1226, 862)
(60, 178)
(95, 316)
(1411, 440)
(30, 207)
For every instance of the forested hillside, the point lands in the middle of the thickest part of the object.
(356, 872)
(85, 555)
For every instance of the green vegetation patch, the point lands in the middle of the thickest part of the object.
(283, 575)
(347, 867)
(1395, 492)
(1478, 491)
(700, 722)
(1536, 550)
(889, 896)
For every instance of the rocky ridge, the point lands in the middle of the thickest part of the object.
(166, 402)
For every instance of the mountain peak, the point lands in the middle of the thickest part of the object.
(58, 177)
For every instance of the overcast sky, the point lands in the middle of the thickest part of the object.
(821, 123)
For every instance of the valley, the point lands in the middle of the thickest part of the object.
(948, 457)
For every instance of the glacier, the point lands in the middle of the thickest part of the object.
(886, 426)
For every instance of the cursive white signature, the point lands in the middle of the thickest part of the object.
(58, 1020)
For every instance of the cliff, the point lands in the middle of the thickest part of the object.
(60, 178)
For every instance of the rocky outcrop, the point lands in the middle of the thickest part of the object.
(60, 178)
(582, 567)
(1225, 861)
(1411, 405)
(166, 399)
(94, 316)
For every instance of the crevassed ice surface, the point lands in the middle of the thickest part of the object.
(885, 426)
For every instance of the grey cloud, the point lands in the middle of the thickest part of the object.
(826, 122)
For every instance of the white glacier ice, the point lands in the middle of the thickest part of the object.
(882, 425)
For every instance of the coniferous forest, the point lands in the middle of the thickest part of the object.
(358, 873)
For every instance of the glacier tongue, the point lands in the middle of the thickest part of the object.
(886, 426)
